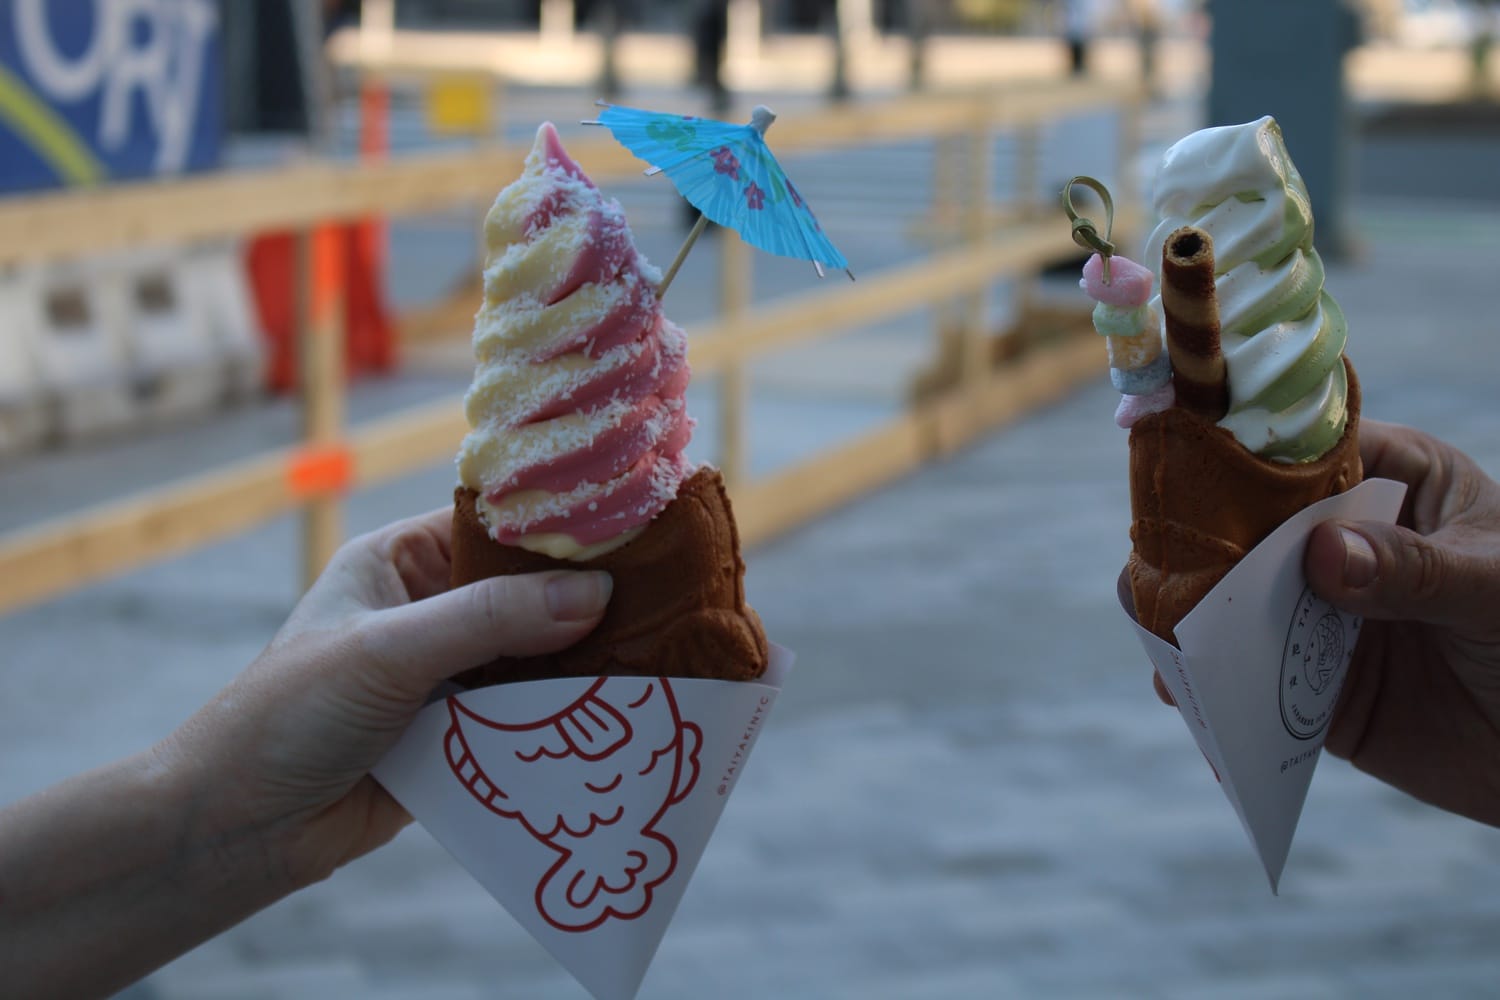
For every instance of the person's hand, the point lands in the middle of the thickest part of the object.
(1420, 708)
(286, 748)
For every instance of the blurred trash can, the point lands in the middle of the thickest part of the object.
(1285, 58)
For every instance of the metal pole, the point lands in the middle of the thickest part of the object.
(609, 42)
(974, 363)
(320, 270)
(734, 298)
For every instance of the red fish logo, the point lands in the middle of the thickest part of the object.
(590, 781)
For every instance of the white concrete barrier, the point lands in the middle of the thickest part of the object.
(216, 291)
(107, 345)
(111, 344)
(174, 368)
(82, 359)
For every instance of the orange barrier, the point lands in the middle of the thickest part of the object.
(371, 331)
(271, 262)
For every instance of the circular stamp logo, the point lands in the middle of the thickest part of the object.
(1319, 644)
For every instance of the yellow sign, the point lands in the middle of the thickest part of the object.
(459, 105)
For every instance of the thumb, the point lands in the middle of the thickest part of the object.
(428, 641)
(1385, 571)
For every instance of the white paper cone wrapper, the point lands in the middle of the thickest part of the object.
(583, 804)
(1260, 669)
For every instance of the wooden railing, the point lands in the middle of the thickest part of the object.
(47, 559)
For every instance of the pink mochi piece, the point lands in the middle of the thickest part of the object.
(1133, 408)
(1129, 282)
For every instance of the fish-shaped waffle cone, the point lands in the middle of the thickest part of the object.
(1199, 501)
(678, 608)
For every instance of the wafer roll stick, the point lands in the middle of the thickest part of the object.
(1190, 307)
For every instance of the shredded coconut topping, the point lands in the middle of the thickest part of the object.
(576, 406)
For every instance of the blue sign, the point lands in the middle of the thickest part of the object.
(100, 90)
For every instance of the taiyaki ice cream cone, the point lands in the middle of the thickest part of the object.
(575, 456)
(1266, 414)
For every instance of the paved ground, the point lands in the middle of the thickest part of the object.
(968, 789)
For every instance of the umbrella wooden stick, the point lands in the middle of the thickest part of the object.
(692, 237)
(761, 118)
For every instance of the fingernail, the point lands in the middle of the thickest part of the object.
(1359, 560)
(576, 597)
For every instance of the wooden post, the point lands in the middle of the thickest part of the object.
(1132, 124)
(374, 146)
(493, 138)
(943, 373)
(975, 204)
(320, 269)
(499, 96)
(1028, 204)
(735, 263)
(1028, 170)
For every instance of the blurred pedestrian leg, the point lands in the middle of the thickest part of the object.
(1481, 46)
(1146, 15)
(918, 28)
(610, 18)
(838, 84)
(710, 29)
(1077, 17)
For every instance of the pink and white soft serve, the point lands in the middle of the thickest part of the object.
(577, 402)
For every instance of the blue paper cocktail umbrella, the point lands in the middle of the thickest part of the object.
(727, 172)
